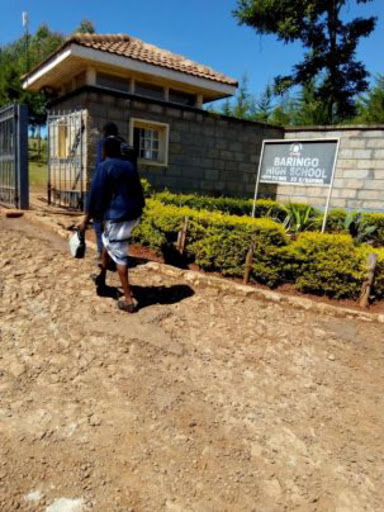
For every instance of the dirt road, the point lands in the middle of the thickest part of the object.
(202, 403)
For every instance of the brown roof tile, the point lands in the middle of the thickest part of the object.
(127, 46)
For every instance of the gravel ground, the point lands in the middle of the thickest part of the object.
(201, 402)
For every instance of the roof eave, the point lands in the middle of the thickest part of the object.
(221, 89)
(30, 78)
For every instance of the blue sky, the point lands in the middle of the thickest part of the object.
(203, 30)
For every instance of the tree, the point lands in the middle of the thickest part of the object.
(18, 58)
(371, 106)
(263, 106)
(283, 112)
(244, 101)
(307, 109)
(240, 106)
(330, 43)
(15, 62)
(226, 108)
(86, 27)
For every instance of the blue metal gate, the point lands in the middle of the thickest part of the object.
(14, 186)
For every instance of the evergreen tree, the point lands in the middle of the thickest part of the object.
(308, 110)
(371, 106)
(244, 102)
(86, 27)
(263, 106)
(330, 42)
(283, 113)
(226, 108)
(16, 59)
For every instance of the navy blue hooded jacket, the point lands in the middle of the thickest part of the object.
(116, 193)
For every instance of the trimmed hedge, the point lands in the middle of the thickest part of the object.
(326, 264)
(376, 219)
(216, 242)
(335, 221)
(227, 205)
(272, 209)
(230, 205)
(378, 290)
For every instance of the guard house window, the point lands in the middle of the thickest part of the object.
(113, 82)
(149, 90)
(182, 98)
(150, 140)
(146, 141)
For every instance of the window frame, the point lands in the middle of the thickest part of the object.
(150, 86)
(163, 128)
(120, 80)
(181, 94)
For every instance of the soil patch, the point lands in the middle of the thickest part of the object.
(201, 402)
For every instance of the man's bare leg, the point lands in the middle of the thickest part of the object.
(100, 280)
(122, 270)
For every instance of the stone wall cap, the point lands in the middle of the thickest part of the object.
(334, 127)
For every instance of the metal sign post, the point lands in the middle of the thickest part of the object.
(330, 188)
(302, 162)
(258, 179)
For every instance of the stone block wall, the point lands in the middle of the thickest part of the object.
(208, 153)
(359, 177)
(218, 155)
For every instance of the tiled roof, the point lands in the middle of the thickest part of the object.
(127, 46)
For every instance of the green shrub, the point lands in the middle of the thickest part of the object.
(215, 241)
(378, 289)
(269, 208)
(225, 249)
(326, 264)
(147, 187)
(228, 205)
(335, 221)
(274, 210)
(299, 217)
(147, 234)
(234, 206)
(375, 219)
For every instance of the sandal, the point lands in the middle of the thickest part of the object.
(128, 308)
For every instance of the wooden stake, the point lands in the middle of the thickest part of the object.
(367, 286)
(248, 264)
(182, 236)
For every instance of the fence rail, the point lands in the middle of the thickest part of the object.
(14, 186)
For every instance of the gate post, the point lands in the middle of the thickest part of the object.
(22, 178)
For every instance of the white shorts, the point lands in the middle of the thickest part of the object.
(115, 239)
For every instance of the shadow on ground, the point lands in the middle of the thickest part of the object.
(134, 261)
(151, 295)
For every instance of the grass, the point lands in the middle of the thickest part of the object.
(38, 174)
(38, 168)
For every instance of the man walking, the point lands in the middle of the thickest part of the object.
(109, 129)
(116, 197)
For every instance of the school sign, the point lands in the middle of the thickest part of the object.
(298, 162)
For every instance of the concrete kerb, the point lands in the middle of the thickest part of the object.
(200, 279)
(197, 278)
